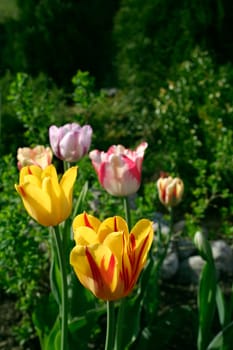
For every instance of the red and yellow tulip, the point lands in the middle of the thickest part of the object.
(46, 200)
(170, 190)
(108, 259)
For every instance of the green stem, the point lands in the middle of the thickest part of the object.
(127, 212)
(120, 325)
(64, 297)
(121, 312)
(66, 165)
(110, 334)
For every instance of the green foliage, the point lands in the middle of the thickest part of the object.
(23, 250)
(152, 37)
(36, 102)
(194, 109)
(83, 88)
(211, 299)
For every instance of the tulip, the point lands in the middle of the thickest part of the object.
(70, 142)
(46, 200)
(107, 259)
(119, 170)
(38, 155)
(170, 190)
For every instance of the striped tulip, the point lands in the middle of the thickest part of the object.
(119, 169)
(107, 259)
(46, 200)
(170, 190)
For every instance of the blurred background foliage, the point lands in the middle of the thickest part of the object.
(154, 70)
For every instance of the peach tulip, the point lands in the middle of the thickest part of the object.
(39, 155)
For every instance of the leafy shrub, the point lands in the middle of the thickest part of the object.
(193, 116)
(36, 104)
(152, 37)
(24, 251)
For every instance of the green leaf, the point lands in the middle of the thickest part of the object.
(206, 304)
(83, 328)
(55, 275)
(44, 317)
(221, 307)
(128, 321)
(81, 200)
(53, 339)
(223, 340)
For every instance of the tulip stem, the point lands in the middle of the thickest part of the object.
(121, 317)
(127, 212)
(110, 333)
(121, 324)
(66, 165)
(64, 297)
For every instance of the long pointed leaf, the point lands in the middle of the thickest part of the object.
(223, 340)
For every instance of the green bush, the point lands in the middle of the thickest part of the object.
(35, 104)
(193, 116)
(24, 251)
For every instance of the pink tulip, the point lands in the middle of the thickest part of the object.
(119, 170)
(70, 142)
(38, 155)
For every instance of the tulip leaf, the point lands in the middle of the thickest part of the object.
(55, 275)
(223, 340)
(80, 299)
(128, 322)
(54, 338)
(221, 307)
(82, 328)
(81, 200)
(206, 304)
(44, 317)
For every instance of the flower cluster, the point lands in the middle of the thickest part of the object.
(109, 256)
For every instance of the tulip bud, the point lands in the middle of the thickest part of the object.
(71, 141)
(203, 246)
(170, 190)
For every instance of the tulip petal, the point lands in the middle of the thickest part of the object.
(95, 267)
(112, 224)
(29, 170)
(86, 220)
(141, 238)
(84, 235)
(68, 180)
(36, 202)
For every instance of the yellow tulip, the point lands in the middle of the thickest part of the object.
(107, 259)
(46, 200)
